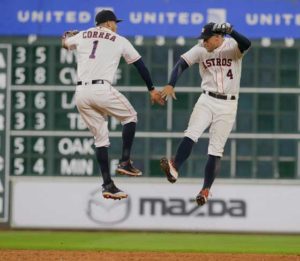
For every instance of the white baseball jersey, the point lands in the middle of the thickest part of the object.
(98, 53)
(220, 70)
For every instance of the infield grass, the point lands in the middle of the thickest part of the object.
(150, 241)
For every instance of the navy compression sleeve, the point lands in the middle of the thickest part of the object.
(143, 71)
(180, 66)
(243, 42)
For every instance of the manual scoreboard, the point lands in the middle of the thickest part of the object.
(41, 132)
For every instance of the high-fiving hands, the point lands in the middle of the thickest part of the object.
(156, 97)
(167, 91)
(160, 97)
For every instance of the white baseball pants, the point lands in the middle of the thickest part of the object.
(97, 101)
(217, 114)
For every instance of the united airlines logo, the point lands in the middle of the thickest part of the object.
(59, 16)
(269, 19)
(216, 15)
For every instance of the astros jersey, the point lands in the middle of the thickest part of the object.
(98, 53)
(220, 70)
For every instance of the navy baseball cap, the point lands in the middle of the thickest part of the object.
(106, 15)
(207, 31)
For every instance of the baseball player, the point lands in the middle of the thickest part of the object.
(220, 64)
(99, 50)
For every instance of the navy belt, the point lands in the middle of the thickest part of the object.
(220, 96)
(92, 82)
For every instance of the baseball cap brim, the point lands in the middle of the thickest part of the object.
(205, 36)
(119, 20)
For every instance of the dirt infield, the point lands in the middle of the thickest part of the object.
(28, 255)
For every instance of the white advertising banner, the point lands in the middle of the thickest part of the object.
(154, 205)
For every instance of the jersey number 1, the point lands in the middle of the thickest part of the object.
(92, 55)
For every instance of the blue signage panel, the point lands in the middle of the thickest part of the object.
(171, 18)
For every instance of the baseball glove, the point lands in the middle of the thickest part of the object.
(224, 28)
(68, 34)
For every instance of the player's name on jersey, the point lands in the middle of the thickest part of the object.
(97, 34)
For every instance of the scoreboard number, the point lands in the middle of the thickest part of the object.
(39, 166)
(40, 121)
(20, 102)
(20, 55)
(19, 121)
(40, 75)
(39, 146)
(19, 166)
(40, 100)
(40, 54)
(20, 75)
(19, 147)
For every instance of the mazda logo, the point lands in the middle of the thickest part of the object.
(106, 211)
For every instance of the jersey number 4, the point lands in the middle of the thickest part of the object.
(229, 74)
(92, 55)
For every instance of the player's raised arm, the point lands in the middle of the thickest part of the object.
(65, 37)
(144, 72)
(243, 42)
(226, 28)
(179, 67)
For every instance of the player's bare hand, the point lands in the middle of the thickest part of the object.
(168, 91)
(156, 97)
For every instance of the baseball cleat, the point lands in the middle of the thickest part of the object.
(114, 197)
(111, 191)
(168, 168)
(126, 168)
(202, 197)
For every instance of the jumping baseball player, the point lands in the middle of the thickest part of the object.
(220, 64)
(99, 50)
